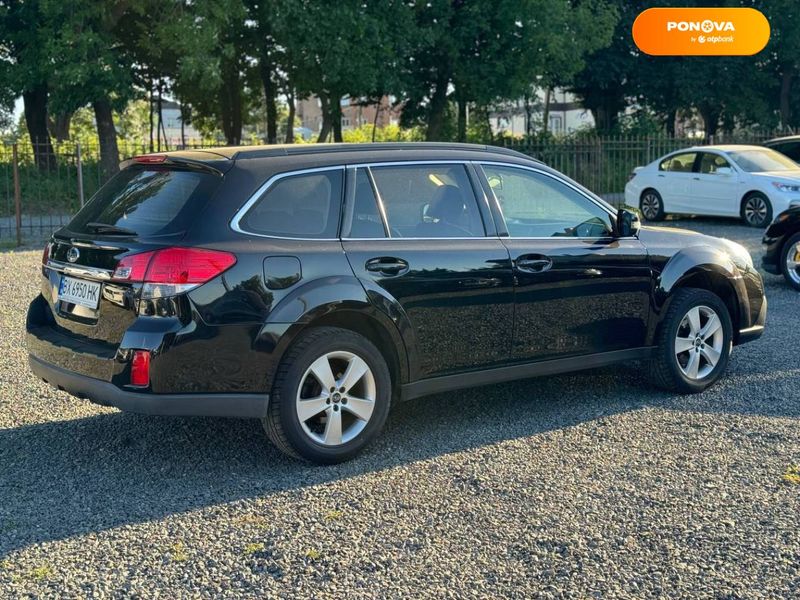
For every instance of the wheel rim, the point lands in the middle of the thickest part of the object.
(336, 398)
(650, 206)
(755, 210)
(793, 263)
(699, 342)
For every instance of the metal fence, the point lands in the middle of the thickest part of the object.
(41, 196)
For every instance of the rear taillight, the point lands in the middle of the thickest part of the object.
(140, 368)
(46, 253)
(172, 271)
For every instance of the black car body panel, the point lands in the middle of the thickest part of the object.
(780, 230)
(445, 312)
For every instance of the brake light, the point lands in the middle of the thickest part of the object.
(46, 253)
(172, 271)
(140, 368)
(150, 159)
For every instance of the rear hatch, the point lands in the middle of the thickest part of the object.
(94, 262)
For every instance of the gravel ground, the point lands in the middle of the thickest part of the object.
(573, 486)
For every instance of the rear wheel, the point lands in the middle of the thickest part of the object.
(756, 210)
(694, 342)
(790, 261)
(651, 205)
(330, 397)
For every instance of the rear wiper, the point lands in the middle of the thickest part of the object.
(110, 229)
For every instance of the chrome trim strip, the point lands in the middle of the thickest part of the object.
(77, 271)
(256, 196)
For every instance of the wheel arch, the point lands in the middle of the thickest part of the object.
(704, 268)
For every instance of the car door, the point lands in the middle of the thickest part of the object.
(416, 236)
(674, 181)
(579, 289)
(715, 187)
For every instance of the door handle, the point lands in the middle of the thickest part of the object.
(387, 265)
(660, 175)
(696, 178)
(534, 265)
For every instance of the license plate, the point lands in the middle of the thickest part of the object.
(78, 291)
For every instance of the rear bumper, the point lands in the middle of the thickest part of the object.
(108, 394)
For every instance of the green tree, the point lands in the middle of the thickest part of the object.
(24, 33)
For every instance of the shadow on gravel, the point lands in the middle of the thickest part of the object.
(69, 478)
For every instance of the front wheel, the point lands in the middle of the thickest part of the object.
(790, 261)
(330, 397)
(694, 342)
(756, 210)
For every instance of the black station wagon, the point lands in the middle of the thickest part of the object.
(312, 286)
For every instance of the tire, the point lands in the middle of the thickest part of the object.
(789, 252)
(672, 370)
(651, 205)
(756, 210)
(315, 439)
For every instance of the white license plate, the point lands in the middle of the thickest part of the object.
(78, 291)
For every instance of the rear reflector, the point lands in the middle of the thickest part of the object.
(140, 368)
(150, 159)
(171, 271)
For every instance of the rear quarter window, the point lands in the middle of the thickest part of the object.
(151, 201)
(304, 205)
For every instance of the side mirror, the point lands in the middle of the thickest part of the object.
(724, 171)
(628, 223)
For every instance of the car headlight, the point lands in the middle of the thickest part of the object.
(739, 255)
(786, 187)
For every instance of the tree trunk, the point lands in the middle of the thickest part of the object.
(377, 114)
(528, 115)
(438, 105)
(336, 117)
(711, 122)
(150, 112)
(107, 134)
(160, 126)
(325, 130)
(59, 126)
(546, 114)
(670, 122)
(35, 105)
(785, 98)
(462, 119)
(265, 69)
(230, 95)
(290, 118)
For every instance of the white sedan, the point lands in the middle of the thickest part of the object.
(750, 182)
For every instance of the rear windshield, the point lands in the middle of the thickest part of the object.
(150, 201)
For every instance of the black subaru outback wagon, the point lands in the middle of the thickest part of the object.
(311, 286)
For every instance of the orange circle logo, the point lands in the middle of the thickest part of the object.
(701, 31)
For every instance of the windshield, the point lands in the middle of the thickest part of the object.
(146, 201)
(754, 161)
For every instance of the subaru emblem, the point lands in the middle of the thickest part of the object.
(73, 254)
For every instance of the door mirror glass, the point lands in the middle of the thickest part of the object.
(724, 171)
(628, 223)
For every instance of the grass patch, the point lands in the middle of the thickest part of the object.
(253, 547)
(313, 554)
(792, 475)
(178, 552)
(333, 515)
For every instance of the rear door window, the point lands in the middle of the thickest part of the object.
(305, 205)
(150, 201)
(428, 201)
(679, 163)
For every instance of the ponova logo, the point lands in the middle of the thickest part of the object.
(701, 31)
(707, 26)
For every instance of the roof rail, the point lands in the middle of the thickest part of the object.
(292, 149)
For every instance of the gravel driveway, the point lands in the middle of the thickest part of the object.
(572, 486)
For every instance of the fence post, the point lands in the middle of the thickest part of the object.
(17, 199)
(80, 172)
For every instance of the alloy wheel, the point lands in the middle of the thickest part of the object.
(651, 205)
(793, 263)
(336, 398)
(699, 342)
(755, 210)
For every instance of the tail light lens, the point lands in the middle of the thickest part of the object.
(45, 257)
(172, 271)
(140, 368)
